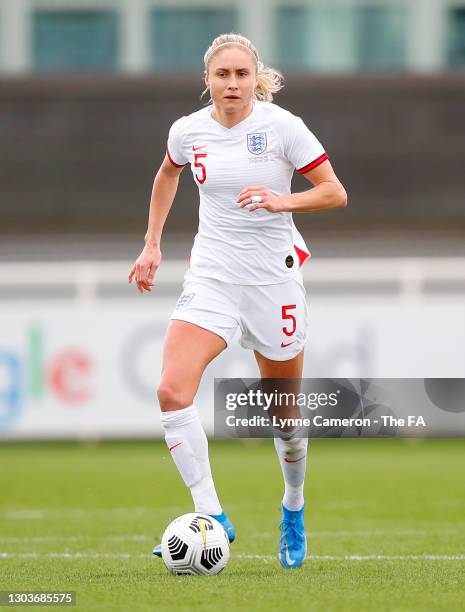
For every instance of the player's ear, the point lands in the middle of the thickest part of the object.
(205, 77)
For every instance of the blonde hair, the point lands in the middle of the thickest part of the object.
(269, 80)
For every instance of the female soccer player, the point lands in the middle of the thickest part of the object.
(245, 263)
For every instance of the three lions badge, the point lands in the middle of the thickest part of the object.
(256, 143)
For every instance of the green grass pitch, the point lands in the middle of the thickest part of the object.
(385, 518)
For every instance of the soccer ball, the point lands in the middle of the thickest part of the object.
(195, 543)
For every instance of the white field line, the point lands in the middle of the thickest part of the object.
(266, 558)
(24, 514)
(76, 555)
(362, 557)
(75, 538)
(78, 513)
(44, 513)
(265, 534)
(359, 534)
(83, 512)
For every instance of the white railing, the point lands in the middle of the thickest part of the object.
(408, 274)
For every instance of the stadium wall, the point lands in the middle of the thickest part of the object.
(80, 153)
(90, 370)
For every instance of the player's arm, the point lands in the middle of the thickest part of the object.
(327, 192)
(164, 190)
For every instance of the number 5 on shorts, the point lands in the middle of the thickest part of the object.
(286, 315)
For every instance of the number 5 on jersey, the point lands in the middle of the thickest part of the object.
(285, 315)
(203, 176)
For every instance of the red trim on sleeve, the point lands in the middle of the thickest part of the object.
(171, 159)
(316, 162)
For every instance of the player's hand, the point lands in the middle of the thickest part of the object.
(269, 201)
(145, 268)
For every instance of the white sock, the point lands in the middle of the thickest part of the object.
(292, 453)
(188, 445)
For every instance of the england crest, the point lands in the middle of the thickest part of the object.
(256, 143)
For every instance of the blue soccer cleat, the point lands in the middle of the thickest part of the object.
(221, 518)
(227, 525)
(157, 551)
(293, 541)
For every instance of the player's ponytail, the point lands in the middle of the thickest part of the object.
(269, 80)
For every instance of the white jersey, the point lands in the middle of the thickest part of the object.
(232, 244)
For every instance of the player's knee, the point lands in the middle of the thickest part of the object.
(171, 397)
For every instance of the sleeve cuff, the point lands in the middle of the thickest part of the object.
(171, 159)
(314, 164)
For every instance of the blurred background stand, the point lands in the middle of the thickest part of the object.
(88, 91)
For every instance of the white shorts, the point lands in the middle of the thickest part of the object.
(273, 318)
